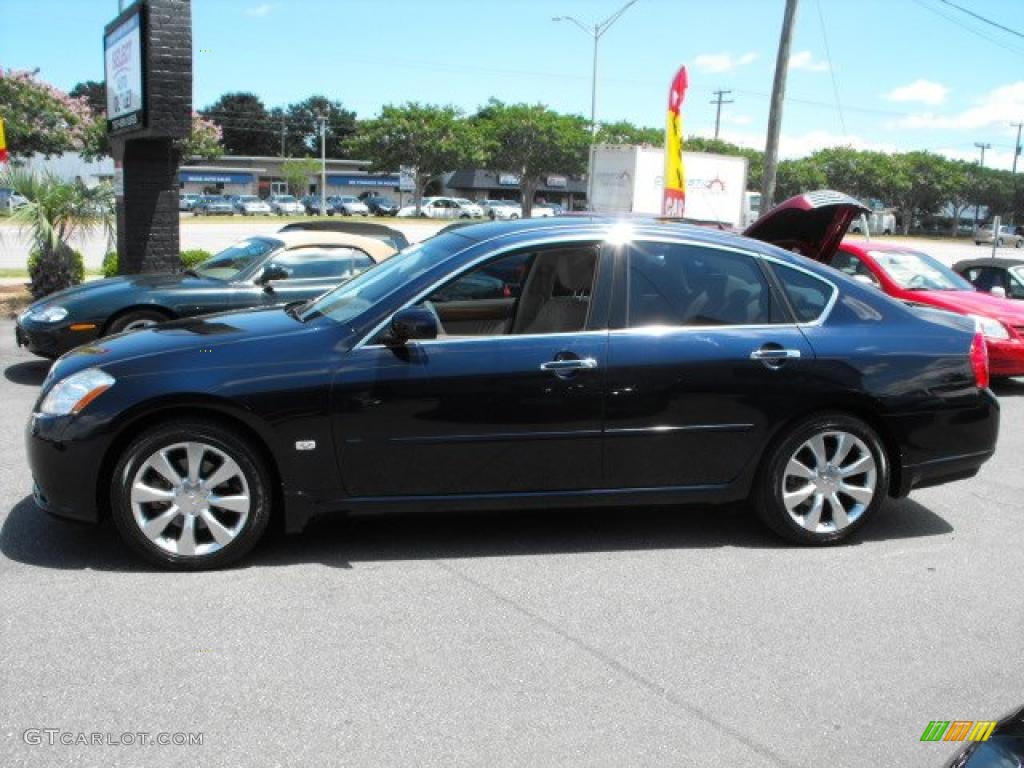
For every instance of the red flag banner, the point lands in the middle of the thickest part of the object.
(3, 143)
(673, 199)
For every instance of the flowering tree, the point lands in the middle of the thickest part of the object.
(204, 141)
(40, 118)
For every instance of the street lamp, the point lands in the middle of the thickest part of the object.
(595, 32)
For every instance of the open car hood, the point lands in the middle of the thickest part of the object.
(812, 224)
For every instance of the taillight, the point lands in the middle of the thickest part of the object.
(979, 361)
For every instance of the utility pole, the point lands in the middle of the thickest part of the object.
(771, 148)
(718, 101)
(323, 164)
(1016, 154)
(982, 146)
(283, 131)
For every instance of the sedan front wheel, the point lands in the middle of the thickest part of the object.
(823, 480)
(190, 496)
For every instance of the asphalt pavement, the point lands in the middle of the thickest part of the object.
(684, 637)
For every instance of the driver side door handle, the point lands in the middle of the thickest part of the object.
(572, 364)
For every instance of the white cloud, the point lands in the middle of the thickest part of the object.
(259, 10)
(735, 118)
(723, 62)
(923, 91)
(805, 60)
(997, 108)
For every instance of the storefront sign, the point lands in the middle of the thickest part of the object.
(122, 48)
(201, 177)
(508, 179)
(362, 180)
(558, 182)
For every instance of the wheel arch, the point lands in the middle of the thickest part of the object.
(162, 411)
(860, 407)
(170, 314)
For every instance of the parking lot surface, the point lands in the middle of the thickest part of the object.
(601, 638)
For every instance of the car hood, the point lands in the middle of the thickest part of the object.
(1006, 311)
(205, 335)
(812, 224)
(112, 286)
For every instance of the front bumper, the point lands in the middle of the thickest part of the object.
(64, 472)
(52, 340)
(1005, 358)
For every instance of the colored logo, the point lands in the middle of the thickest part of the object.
(958, 730)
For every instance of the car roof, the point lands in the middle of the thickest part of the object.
(989, 262)
(377, 249)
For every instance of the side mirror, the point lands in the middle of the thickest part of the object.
(998, 290)
(412, 323)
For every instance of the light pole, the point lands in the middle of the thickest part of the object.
(595, 31)
(982, 146)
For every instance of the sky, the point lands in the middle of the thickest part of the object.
(894, 75)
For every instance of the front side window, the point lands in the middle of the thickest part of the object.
(688, 285)
(237, 258)
(312, 263)
(534, 291)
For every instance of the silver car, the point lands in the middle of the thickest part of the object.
(1007, 236)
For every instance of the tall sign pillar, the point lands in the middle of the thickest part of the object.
(147, 53)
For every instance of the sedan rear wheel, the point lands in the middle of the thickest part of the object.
(190, 496)
(825, 478)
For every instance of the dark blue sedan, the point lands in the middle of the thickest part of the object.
(554, 362)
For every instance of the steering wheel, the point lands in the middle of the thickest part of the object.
(917, 281)
(429, 306)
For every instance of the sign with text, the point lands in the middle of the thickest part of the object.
(122, 51)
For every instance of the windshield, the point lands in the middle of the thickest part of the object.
(285, 199)
(351, 299)
(916, 271)
(237, 258)
(349, 200)
(249, 199)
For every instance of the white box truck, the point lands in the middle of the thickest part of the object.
(629, 179)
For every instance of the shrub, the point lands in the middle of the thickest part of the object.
(110, 264)
(54, 270)
(193, 258)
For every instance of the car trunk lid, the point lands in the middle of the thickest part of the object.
(811, 224)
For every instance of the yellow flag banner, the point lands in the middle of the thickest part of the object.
(673, 199)
(3, 143)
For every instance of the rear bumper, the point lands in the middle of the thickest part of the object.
(943, 446)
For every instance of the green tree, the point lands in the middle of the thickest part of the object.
(797, 176)
(428, 138)
(624, 132)
(296, 172)
(533, 141)
(38, 117)
(56, 211)
(920, 185)
(303, 127)
(246, 128)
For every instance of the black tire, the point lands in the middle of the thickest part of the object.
(137, 316)
(220, 438)
(769, 487)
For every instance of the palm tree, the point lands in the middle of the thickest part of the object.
(57, 210)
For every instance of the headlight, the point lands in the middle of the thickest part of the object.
(990, 328)
(72, 394)
(52, 314)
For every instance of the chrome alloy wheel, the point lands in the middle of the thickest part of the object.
(136, 325)
(829, 481)
(190, 499)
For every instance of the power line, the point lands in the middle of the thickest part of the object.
(831, 68)
(979, 17)
(972, 30)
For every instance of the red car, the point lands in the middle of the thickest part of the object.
(910, 275)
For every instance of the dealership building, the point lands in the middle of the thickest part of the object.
(234, 175)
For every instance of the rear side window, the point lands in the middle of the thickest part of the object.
(689, 285)
(809, 296)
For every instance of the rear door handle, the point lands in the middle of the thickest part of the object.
(572, 364)
(775, 354)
